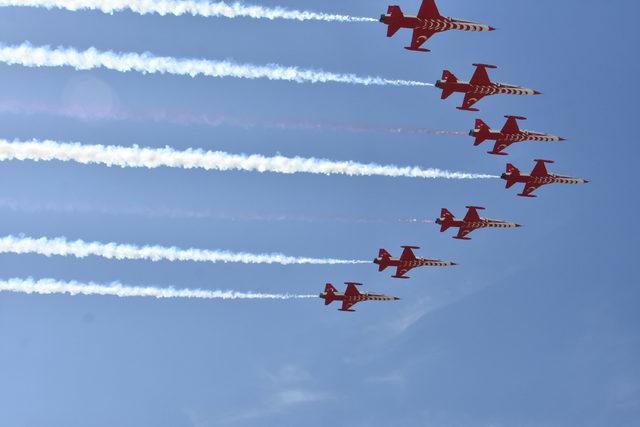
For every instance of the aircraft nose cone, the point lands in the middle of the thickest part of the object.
(562, 139)
(537, 92)
(454, 263)
(492, 28)
(586, 181)
(518, 225)
(396, 298)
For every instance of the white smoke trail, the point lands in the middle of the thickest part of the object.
(136, 157)
(52, 286)
(80, 249)
(28, 206)
(30, 56)
(184, 117)
(186, 7)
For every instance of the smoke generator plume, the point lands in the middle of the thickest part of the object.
(187, 7)
(80, 249)
(31, 56)
(52, 286)
(137, 157)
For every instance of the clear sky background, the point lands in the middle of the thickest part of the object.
(536, 327)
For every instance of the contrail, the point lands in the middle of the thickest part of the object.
(77, 207)
(187, 7)
(52, 286)
(182, 117)
(80, 249)
(137, 157)
(44, 56)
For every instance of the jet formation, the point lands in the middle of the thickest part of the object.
(425, 24)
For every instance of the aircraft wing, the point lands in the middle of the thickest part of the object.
(539, 169)
(351, 290)
(528, 189)
(470, 99)
(480, 76)
(428, 9)
(420, 35)
(500, 145)
(407, 254)
(401, 271)
(511, 125)
(346, 305)
(462, 232)
(472, 215)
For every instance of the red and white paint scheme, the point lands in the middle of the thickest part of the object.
(351, 296)
(426, 24)
(510, 134)
(470, 222)
(478, 87)
(538, 177)
(406, 262)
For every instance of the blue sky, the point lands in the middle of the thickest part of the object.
(536, 327)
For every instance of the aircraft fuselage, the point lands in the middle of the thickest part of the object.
(484, 90)
(433, 24)
(474, 225)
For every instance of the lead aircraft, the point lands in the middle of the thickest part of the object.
(425, 24)
(351, 296)
(478, 87)
(406, 262)
(538, 177)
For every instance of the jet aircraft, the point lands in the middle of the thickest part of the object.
(406, 262)
(426, 24)
(478, 87)
(351, 296)
(538, 177)
(470, 222)
(510, 134)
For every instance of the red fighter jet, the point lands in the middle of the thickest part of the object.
(539, 176)
(470, 222)
(427, 23)
(510, 134)
(351, 296)
(478, 87)
(406, 262)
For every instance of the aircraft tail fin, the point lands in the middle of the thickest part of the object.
(329, 293)
(481, 132)
(448, 76)
(383, 259)
(512, 172)
(393, 19)
(445, 219)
